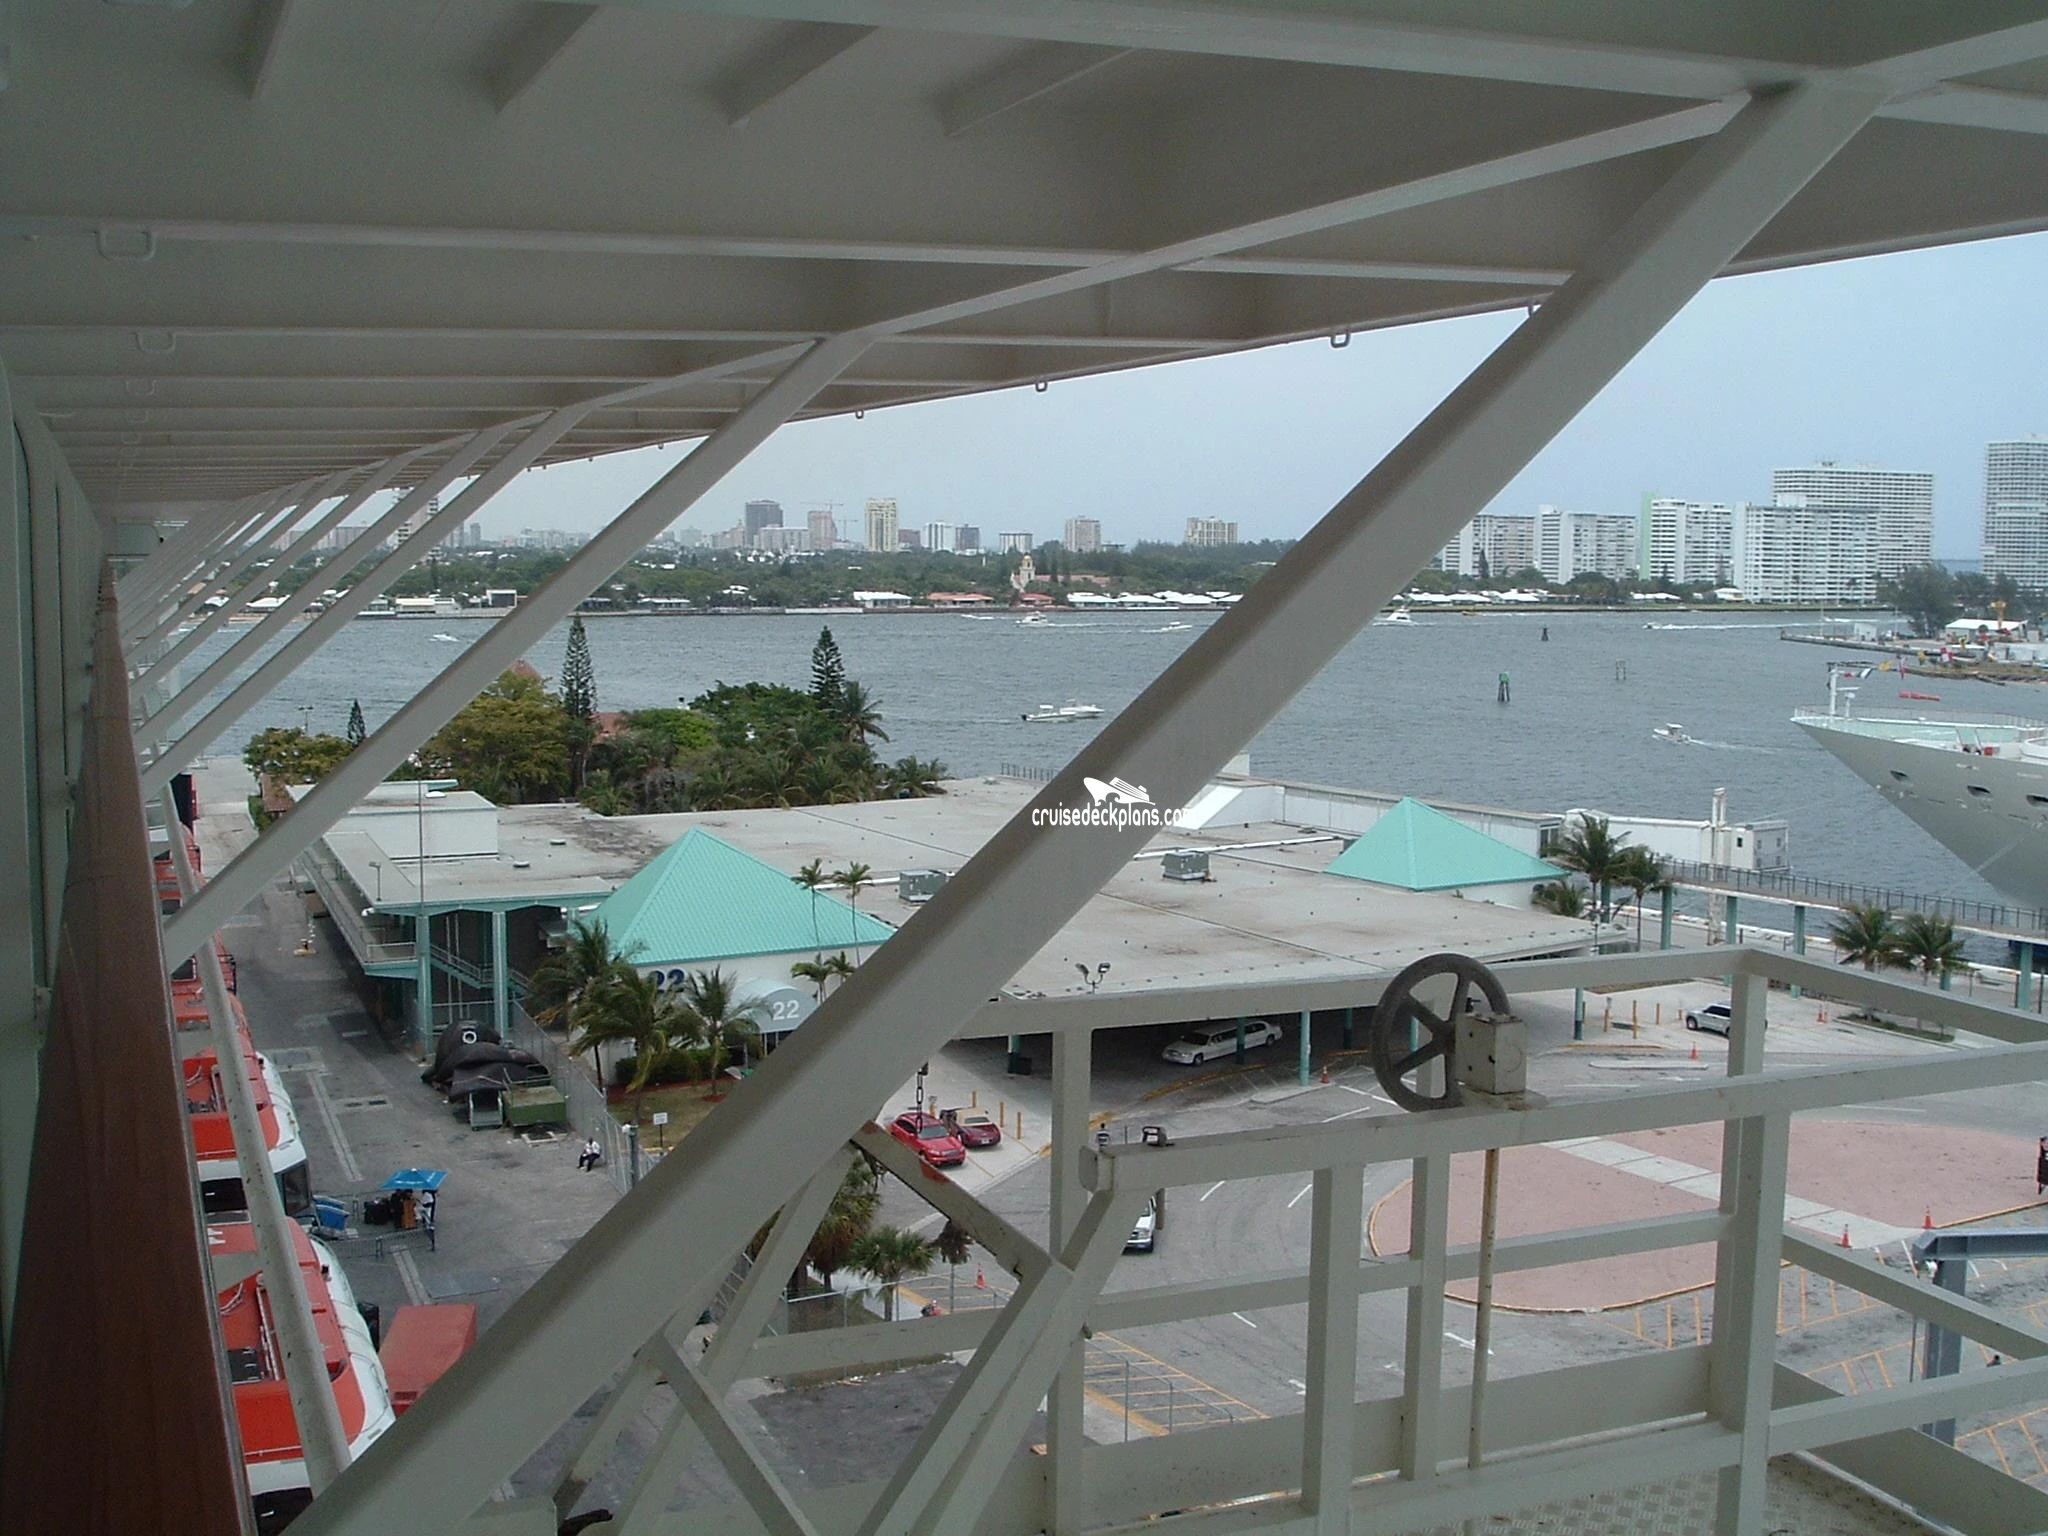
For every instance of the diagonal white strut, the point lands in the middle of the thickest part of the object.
(605, 1298)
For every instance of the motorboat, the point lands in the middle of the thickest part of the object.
(1033, 620)
(1977, 783)
(1058, 714)
(1399, 615)
(1671, 730)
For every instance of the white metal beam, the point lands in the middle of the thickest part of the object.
(1040, 71)
(504, 643)
(1337, 1217)
(764, 1492)
(267, 28)
(549, 34)
(184, 554)
(795, 54)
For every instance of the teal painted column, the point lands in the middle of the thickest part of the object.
(1578, 1013)
(423, 1001)
(1798, 941)
(2023, 983)
(501, 980)
(1664, 918)
(1240, 1042)
(1302, 1063)
(1348, 1013)
(1734, 927)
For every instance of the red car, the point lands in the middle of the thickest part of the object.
(972, 1126)
(931, 1138)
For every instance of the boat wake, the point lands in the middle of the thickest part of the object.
(446, 639)
(1712, 626)
(1734, 746)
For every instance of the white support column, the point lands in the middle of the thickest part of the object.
(501, 982)
(779, 1514)
(1746, 1323)
(509, 639)
(1337, 1217)
(305, 544)
(1072, 1053)
(174, 757)
(155, 615)
(321, 1436)
(182, 553)
(1422, 1369)
(571, 1330)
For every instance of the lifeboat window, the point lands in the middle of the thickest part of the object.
(245, 1365)
(1903, 778)
(1978, 789)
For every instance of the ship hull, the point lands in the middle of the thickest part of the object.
(1990, 812)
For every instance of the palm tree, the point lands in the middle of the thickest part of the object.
(1566, 898)
(860, 714)
(956, 1247)
(1638, 870)
(567, 978)
(628, 1008)
(811, 877)
(816, 972)
(1929, 945)
(890, 1255)
(854, 1207)
(910, 778)
(850, 880)
(708, 999)
(1595, 851)
(1864, 935)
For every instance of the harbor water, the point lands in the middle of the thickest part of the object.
(1410, 708)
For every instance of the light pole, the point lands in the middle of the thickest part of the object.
(377, 869)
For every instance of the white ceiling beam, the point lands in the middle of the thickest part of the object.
(534, 49)
(1975, 106)
(796, 54)
(267, 29)
(1967, 56)
(1039, 72)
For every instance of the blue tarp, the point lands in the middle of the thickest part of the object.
(416, 1178)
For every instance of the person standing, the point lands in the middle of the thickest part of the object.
(2041, 1167)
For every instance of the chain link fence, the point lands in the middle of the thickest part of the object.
(589, 1115)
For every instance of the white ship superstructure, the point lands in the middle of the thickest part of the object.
(1978, 784)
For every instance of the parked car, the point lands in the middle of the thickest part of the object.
(930, 1137)
(1212, 1042)
(974, 1127)
(1713, 1018)
(1143, 1234)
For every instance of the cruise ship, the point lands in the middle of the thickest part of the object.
(1978, 784)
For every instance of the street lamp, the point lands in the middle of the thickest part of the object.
(377, 867)
(1092, 978)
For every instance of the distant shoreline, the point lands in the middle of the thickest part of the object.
(1444, 610)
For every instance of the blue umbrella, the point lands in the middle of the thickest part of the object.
(416, 1178)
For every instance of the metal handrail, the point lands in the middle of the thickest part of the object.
(1990, 917)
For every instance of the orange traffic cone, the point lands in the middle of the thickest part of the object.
(1845, 1237)
(1326, 1074)
(981, 1280)
(1695, 1053)
(1927, 1220)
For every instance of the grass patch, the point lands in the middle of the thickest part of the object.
(685, 1103)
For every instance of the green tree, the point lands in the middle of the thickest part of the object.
(716, 1016)
(828, 672)
(357, 730)
(290, 756)
(1929, 945)
(860, 713)
(909, 778)
(1638, 870)
(812, 877)
(890, 1255)
(561, 982)
(953, 1244)
(510, 743)
(850, 880)
(631, 1009)
(1565, 898)
(579, 700)
(854, 1207)
(1594, 849)
(1926, 594)
(1866, 935)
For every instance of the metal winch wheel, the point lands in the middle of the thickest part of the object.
(1401, 1017)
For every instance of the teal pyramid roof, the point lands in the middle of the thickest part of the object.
(1420, 849)
(701, 900)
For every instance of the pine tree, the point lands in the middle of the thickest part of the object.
(356, 729)
(579, 682)
(828, 673)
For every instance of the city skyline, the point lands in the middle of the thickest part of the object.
(1911, 361)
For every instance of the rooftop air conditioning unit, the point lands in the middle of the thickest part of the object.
(1186, 864)
(919, 885)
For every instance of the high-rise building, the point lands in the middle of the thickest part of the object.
(762, 514)
(1791, 552)
(1083, 536)
(1210, 532)
(2016, 510)
(1899, 505)
(824, 528)
(1013, 544)
(881, 523)
(941, 538)
(1572, 544)
(1492, 544)
(1685, 541)
(782, 540)
(418, 520)
(967, 539)
(909, 538)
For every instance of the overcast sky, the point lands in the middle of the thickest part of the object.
(1912, 361)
